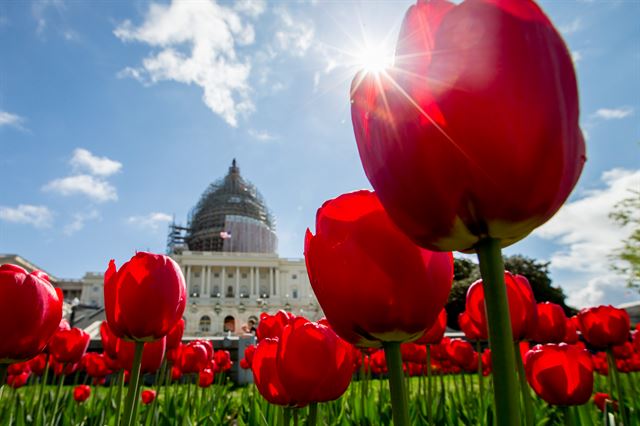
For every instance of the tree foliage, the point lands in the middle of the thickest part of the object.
(466, 272)
(626, 260)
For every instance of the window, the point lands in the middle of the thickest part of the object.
(229, 324)
(205, 324)
(294, 277)
(229, 291)
(229, 275)
(196, 274)
(95, 288)
(216, 275)
(244, 275)
(216, 291)
(244, 291)
(294, 293)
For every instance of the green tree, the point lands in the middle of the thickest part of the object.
(626, 260)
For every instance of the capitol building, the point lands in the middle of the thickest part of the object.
(228, 255)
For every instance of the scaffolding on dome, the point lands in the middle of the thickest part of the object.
(231, 216)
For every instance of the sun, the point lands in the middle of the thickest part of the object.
(373, 59)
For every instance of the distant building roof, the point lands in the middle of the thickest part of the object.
(14, 259)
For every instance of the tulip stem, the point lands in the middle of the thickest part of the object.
(429, 400)
(43, 382)
(505, 383)
(313, 414)
(480, 382)
(524, 388)
(134, 380)
(119, 396)
(613, 371)
(399, 404)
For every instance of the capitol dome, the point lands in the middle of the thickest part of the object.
(231, 216)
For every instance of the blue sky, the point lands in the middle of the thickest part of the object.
(115, 116)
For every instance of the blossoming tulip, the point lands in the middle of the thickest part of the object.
(205, 378)
(68, 346)
(174, 338)
(145, 298)
(266, 375)
(446, 140)
(96, 365)
(469, 328)
(245, 363)
(560, 374)
(462, 353)
(81, 393)
(271, 326)
(551, 324)
(30, 311)
(18, 380)
(313, 363)
(193, 357)
(109, 340)
(222, 361)
(600, 399)
(373, 283)
(604, 326)
(147, 396)
(522, 305)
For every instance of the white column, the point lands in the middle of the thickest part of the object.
(237, 282)
(188, 272)
(252, 281)
(258, 292)
(278, 288)
(271, 282)
(207, 287)
(223, 290)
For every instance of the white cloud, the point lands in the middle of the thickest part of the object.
(571, 27)
(39, 10)
(261, 135)
(9, 119)
(252, 8)
(588, 237)
(294, 36)
(83, 160)
(613, 113)
(152, 221)
(197, 45)
(95, 188)
(79, 220)
(576, 56)
(38, 216)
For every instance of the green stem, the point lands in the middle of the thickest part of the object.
(429, 402)
(295, 416)
(613, 371)
(286, 416)
(134, 380)
(480, 382)
(57, 398)
(505, 384)
(119, 397)
(313, 414)
(399, 404)
(524, 388)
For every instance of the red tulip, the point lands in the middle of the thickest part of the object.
(413, 352)
(623, 351)
(19, 368)
(378, 362)
(271, 326)
(604, 326)
(205, 378)
(96, 365)
(68, 346)
(266, 375)
(469, 328)
(571, 335)
(600, 363)
(433, 335)
(245, 363)
(176, 373)
(600, 399)
(174, 338)
(38, 364)
(112, 363)
(193, 357)
(152, 355)
(372, 282)
(222, 361)
(145, 298)
(109, 340)
(486, 362)
(551, 324)
(560, 374)
(462, 353)
(62, 368)
(30, 311)
(81, 393)
(445, 139)
(522, 305)
(18, 380)
(313, 363)
(148, 396)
